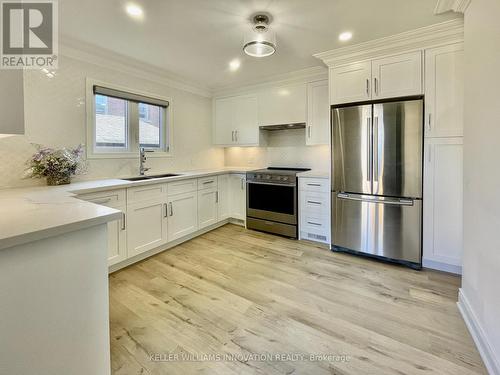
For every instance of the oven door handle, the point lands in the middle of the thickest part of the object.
(270, 183)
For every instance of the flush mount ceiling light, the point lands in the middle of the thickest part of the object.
(261, 41)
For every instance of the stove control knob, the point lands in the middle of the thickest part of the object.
(268, 177)
(285, 178)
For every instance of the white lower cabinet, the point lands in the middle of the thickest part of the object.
(238, 196)
(224, 209)
(117, 238)
(314, 209)
(207, 207)
(157, 214)
(182, 213)
(443, 204)
(117, 233)
(147, 225)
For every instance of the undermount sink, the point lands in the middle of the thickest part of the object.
(142, 178)
(164, 175)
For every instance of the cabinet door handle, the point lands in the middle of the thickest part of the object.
(124, 221)
(236, 135)
(314, 202)
(165, 210)
(313, 223)
(376, 85)
(101, 201)
(367, 87)
(309, 132)
(314, 185)
(232, 136)
(171, 206)
(429, 122)
(216, 197)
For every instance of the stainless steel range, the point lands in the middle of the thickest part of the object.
(272, 200)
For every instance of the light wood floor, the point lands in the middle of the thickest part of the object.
(235, 291)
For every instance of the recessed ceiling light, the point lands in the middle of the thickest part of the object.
(134, 10)
(234, 65)
(345, 36)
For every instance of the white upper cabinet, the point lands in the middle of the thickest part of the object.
(351, 83)
(318, 114)
(235, 121)
(245, 119)
(283, 105)
(397, 76)
(444, 91)
(388, 77)
(224, 126)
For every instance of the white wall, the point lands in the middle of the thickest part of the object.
(481, 264)
(55, 116)
(285, 148)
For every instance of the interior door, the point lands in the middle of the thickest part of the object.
(397, 149)
(352, 149)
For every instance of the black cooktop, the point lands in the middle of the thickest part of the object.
(282, 170)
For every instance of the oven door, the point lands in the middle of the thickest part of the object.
(273, 202)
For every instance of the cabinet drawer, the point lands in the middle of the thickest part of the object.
(207, 183)
(321, 185)
(183, 186)
(314, 224)
(315, 203)
(146, 192)
(112, 198)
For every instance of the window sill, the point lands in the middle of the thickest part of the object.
(127, 155)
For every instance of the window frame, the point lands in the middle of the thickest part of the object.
(132, 150)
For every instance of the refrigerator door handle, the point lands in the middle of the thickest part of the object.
(369, 159)
(375, 149)
(372, 199)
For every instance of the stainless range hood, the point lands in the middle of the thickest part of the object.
(297, 125)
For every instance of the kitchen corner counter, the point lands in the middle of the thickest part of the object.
(34, 213)
(314, 174)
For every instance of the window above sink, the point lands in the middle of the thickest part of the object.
(122, 120)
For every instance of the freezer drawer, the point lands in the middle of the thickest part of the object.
(385, 227)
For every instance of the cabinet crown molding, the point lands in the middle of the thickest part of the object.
(429, 36)
(458, 6)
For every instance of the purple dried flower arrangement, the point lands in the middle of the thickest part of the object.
(57, 165)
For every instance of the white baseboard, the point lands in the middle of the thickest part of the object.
(169, 245)
(440, 266)
(490, 360)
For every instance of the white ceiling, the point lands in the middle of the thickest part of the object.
(196, 39)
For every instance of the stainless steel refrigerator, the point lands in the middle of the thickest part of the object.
(377, 180)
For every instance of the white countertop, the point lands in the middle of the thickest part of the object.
(33, 213)
(314, 174)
